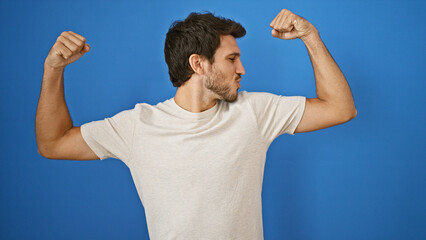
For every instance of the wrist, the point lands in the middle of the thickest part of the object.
(49, 68)
(313, 35)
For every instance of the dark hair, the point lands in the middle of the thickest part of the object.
(199, 34)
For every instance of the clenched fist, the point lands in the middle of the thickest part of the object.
(67, 49)
(287, 25)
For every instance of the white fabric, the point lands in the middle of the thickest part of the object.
(198, 175)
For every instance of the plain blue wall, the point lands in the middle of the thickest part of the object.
(364, 179)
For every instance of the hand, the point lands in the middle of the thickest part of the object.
(67, 49)
(287, 25)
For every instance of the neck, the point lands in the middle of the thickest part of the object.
(194, 97)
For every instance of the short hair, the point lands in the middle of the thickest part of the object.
(197, 34)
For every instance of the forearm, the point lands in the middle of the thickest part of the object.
(52, 116)
(331, 84)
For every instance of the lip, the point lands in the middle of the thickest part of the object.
(238, 81)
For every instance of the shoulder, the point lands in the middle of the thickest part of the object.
(160, 110)
(262, 101)
(253, 95)
(131, 113)
(254, 98)
(143, 109)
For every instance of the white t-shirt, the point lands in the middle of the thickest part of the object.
(198, 175)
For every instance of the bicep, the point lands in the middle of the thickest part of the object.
(73, 147)
(318, 115)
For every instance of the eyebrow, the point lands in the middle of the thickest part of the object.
(234, 54)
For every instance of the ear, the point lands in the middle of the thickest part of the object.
(197, 63)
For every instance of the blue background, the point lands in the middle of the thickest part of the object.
(364, 179)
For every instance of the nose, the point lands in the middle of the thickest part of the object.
(240, 69)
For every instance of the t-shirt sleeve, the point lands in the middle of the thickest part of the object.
(111, 137)
(276, 114)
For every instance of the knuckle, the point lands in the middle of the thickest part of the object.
(61, 39)
(65, 50)
(73, 48)
(57, 45)
(67, 54)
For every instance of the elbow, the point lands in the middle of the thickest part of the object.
(350, 115)
(354, 113)
(346, 114)
(42, 151)
(47, 156)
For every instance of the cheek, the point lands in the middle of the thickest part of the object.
(226, 71)
(229, 70)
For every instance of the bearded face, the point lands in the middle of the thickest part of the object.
(216, 81)
(223, 77)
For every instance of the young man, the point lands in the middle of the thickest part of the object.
(197, 159)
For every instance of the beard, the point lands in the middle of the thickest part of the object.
(215, 81)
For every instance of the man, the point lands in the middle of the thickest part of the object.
(197, 159)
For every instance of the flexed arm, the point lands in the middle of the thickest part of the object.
(55, 134)
(334, 103)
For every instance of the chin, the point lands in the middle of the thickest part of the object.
(232, 98)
